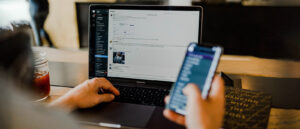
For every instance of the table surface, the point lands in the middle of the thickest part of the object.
(73, 65)
(279, 118)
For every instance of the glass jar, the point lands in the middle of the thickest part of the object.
(41, 84)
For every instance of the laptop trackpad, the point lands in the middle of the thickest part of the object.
(125, 114)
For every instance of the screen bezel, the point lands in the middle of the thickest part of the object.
(139, 82)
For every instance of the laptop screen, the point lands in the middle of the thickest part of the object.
(142, 44)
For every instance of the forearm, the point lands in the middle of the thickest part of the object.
(65, 102)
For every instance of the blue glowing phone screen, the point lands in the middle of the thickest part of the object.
(195, 69)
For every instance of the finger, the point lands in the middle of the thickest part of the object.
(167, 99)
(194, 99)
(217, 89)
(172, 116)
(192, 92)
(105, 84)
(105, 98)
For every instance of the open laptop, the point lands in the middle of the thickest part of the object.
(140, 50)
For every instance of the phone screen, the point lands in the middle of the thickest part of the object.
(198, 67)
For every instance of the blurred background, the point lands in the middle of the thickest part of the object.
(261, 28)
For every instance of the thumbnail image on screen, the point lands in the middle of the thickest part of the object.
(119, 57)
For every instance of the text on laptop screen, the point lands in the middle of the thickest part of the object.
(142, 44)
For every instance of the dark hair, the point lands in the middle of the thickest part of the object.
(16, 58)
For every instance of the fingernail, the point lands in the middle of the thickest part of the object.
(112, 96)
(188, 85)
(165, 113)
(220, 74)
(185, 88)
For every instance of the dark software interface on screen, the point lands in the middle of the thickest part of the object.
(195, 69)
(142, 44)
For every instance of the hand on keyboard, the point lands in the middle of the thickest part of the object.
(86, 95)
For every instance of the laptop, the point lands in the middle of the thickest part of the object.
(139, 49)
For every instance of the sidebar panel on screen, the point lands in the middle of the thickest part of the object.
(100, 25)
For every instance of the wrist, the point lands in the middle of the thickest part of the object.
(65, 103)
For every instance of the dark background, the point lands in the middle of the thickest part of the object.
(261, 31)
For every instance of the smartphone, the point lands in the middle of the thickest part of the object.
(199, 66)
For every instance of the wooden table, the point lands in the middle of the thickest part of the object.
(279, 118)
(247, 65)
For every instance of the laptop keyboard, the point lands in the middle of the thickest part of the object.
(140, 95)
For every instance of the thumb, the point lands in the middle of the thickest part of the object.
(192, 92)
(106, 98)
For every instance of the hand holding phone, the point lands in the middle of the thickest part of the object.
(198, 67)
(201, 114)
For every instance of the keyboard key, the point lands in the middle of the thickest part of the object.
(139, 95)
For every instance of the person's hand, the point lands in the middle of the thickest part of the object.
(201, 113)
(86, 95)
